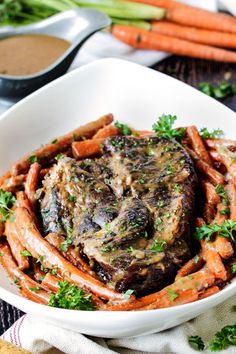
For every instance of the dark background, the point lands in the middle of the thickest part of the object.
(191, 71)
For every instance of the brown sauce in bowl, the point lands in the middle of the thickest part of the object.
(29, 54)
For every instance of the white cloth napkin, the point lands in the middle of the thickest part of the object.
(41, 338)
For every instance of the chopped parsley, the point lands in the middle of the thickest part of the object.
(54, 271)
(130, 249)
(123, 128)
(71, 198)
(33, 159)
(25, 253)
(41, 278)
(35, 289)
(55, 141)
(196, 342)
(221, 91)
(172, 294)
(128, 293)
(196, 259)
(59, 156)
(177, 188)
(225, 230)
(1, 254)
(223, 339)
(158, 246)
(65, 244)
(40, 259)
(233, 268)
(71, 297)
(108, 249)
(164, 128)
(7, 200)
(220, 190)
(216, 133)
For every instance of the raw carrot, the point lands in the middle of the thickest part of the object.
(87, 148)
(142, 39)
(193, 16)
(213, 38)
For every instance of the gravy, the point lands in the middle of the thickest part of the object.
(29, 54)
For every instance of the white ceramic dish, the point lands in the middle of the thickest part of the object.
(135, 95)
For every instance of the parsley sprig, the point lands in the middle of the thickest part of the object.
(124, 129)
(71, 297)
(223, 339)
(221, 91)
(216, 133)
(7, 200)
(196, 342)
(225, 230)
(164, 128)
(220, 190)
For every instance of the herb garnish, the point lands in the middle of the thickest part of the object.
(59, 156)
(123, 128)
(65, 244)
(128, 293)
(233, 268)
(71, 198)
(172, 294)
(224, 338)
(164, 128)
(216, 133)
(7, 200)
(33, 159)
(196, 342)
(55, 141)
(25, 253)
(35, 289)
(1, 254)
(158, 246)
(71, 297)
(130, 249)
(222, 91)
(224, 230)
(220, 190)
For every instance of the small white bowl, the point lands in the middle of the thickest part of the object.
(137, 96)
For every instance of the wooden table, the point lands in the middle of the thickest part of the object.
(190, 71)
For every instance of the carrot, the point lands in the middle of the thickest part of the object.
(214, 176)
(16, 246)
(51, 282)
(49, 151)
(217, 143)
(38, 246)
(2, 226)
(190, 267)
(231, 193)
(32, 182)
(208, 292)
(22, 280)
(193, 16)
(213, 260)
(12, 184)
(38, 273)
(197, 144)
(4, 177)
(23, 202)
(213, 38)
(87, 148)
(72, 255)
(109, 130)
(143, 39)
(195, 283)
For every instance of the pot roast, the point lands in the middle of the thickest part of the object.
(129, 212)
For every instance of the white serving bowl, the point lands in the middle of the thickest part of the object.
(137, 96)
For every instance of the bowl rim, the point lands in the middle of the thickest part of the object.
(228, 291)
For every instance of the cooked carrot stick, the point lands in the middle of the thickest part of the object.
(213, 260)
(211, 196)
(197, 144)
(38, 246)
(87, 148)
(190, 267)
(195, 282)
(72, 255)
(49, 151)
(194, 16)
(231, 193)
(214, 176)
(23, 202)
(38, 273)
(142, 133)
(31, 183)
(217, 143)
(51, 282)
(4, 177)
(16, 247)
(208, 292)
(12, 184)
(2, 226)
(109, 130)
(142, 39)
(21, 279)
(216, 156)
(213, 38)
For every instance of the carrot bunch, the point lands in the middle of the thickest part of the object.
(185, 30)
